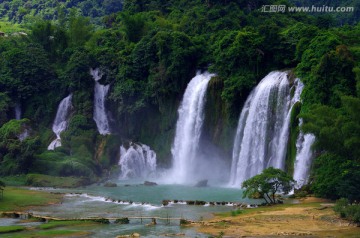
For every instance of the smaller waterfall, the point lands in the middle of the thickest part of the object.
(17, 111)
(303, 157)
(186, 159)
(100, 93)
(25, 131)
(137, 161)
(61, 121)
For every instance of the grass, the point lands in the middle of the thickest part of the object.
(236, 212)
(18, 180)
(61, 233)
(8, 229)
(42, 180)
(51, 229)
(9, 27)
(19, 199)
(48, 233)
(277, 207)
(55, 224)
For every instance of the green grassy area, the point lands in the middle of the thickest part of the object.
(18, 180)
(47, 233)
(51, 229)
(19, 199)
(277, 207)
(8, 229)
(55, 224)
(42, 180)
(8, 27)
(61, 233)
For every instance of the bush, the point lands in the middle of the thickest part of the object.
(348, 211)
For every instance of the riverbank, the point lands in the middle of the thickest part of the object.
(311, 217)
(22, 199)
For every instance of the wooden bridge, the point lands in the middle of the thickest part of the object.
(105, 220)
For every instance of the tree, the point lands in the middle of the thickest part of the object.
(268, 183)
(2, 186)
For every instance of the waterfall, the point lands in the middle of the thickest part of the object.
(101, 91)
(25, 131)
(303, 157)
(61, 121)
(17, 111)
(263, 128)
(137, 161)
(188, 129)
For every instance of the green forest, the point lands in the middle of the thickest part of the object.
(148, 51)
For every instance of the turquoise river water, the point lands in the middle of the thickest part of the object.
(100, 201)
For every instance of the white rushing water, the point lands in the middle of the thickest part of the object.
(188, 129)
(25, 132)
(303, 157)
(263, 129)
(137, 161)
(61, 121)
(100, 93)
(17, 111)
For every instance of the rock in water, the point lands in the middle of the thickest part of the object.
(110, 185)
(148, 183)
(202, 183)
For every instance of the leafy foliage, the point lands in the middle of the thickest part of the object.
(348, 210)
(337, 132)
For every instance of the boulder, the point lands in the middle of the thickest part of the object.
(148, 183)
(202, 183)
(110, 185)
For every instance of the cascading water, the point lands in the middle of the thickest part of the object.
(61, 121)
(25, 132)
(137, 161)
(101, 91)
(17, 111)
(188, 129)
(303, 157)
(263, 129)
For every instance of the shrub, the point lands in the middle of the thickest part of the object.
(348, 211)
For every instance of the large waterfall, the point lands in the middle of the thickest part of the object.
(61, 121)
(188, 130)
(137, 161)
(303, 157)
(263, 129)
(100, 93)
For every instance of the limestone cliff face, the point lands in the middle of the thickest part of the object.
(218, 127)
